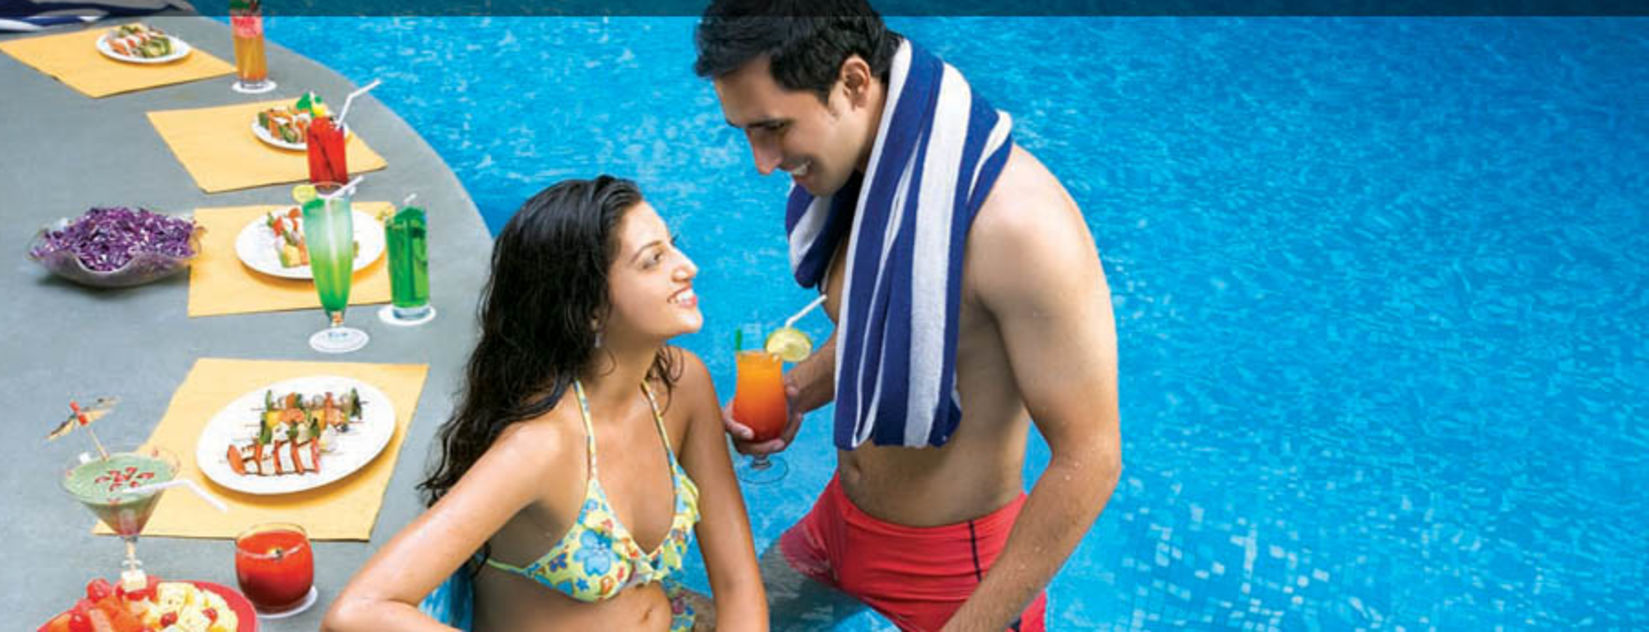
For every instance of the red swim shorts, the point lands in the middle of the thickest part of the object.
(917, 577)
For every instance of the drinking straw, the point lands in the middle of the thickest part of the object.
(738, 340)
(347, 188)
(351, 99)
(180, 482)
(816, 302)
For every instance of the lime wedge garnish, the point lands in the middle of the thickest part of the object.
(303, 193)
(789, 343)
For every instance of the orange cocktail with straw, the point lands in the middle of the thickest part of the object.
(759, 401)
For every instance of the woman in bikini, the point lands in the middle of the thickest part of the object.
(584, 448)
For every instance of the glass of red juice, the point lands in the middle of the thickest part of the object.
(275, 567)
(325, 147)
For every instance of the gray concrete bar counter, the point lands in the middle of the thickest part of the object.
(65, 153)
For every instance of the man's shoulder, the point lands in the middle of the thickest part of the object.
(1028, 225)
(1027, 207)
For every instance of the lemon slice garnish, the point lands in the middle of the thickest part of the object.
(303, 193)
(789, 343)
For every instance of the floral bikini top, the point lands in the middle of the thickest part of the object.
(598, 557)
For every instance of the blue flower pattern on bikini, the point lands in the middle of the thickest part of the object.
(595, 554)
(598, 557)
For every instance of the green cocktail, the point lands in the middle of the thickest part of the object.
(406, 235)
(329, 229)
(109, 487)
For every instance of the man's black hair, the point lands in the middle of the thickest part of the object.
(805, 41)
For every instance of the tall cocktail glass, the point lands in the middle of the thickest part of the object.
(759, 403)
(251, 66)
(406, 235)
(324, 144)
(329, 230)
(104, 484)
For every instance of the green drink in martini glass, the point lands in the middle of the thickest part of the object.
(111, 488)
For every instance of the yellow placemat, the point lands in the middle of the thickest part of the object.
(72, 58)
(343, 510)
(220, 284)
(218, 149)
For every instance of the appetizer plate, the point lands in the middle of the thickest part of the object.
(239, 422)
(180, 49)
(256, 243)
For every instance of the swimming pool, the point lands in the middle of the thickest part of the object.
(1381, 285)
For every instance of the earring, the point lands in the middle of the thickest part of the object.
(598, 340)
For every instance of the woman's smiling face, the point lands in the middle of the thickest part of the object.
(650, 281)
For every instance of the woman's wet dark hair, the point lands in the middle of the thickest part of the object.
(539, 314)
(806, 41)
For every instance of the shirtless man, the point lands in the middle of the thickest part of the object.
(935, 536)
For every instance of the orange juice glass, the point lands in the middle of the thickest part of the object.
(759, 403)
(251, 66)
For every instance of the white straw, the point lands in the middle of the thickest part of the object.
(351, 99)
(816, 302)
(181, 482)
(348, 189)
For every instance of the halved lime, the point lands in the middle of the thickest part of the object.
(789, 343)
(303, 193)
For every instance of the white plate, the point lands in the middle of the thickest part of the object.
(238, 424)
(180, 49)
(255, 245)
(263, 135)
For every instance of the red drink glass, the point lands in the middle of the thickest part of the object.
(326, 151)
(275, 567)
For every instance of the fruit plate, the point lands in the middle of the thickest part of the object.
(246, 618)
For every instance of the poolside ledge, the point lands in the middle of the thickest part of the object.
(66, 153)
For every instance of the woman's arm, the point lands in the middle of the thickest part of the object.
(724, 527)
(384, 594)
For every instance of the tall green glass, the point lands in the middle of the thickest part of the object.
(329, 231)
(406, 234)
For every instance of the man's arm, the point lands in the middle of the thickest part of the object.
(1041, 279)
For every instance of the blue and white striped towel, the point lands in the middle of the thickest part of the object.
(937, 154)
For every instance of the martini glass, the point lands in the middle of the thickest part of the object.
(105, 484)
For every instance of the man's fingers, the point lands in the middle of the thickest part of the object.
(790, 430)
(765, 447)
(738, 430)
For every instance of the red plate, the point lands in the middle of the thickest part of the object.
(246, 616)
(243, 609)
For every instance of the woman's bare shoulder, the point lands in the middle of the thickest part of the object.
(692, 389)
(540, 443)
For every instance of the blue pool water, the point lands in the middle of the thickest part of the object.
(1381, 285)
